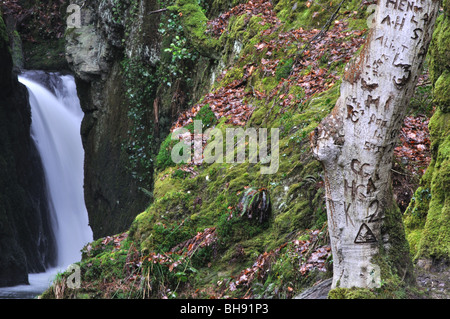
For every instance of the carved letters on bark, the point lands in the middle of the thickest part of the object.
(355, 142)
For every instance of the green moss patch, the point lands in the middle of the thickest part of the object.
(194, 21)
(46, 54)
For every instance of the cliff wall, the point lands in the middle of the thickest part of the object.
(26, 239)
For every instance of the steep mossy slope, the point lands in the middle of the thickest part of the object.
(428, 216)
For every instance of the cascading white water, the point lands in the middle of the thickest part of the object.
(55, 129)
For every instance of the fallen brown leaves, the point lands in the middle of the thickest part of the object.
(36, 19)
(201, 240)
(310, 72)
(263, 8)
(414, 150)
(116, 239)
(179, 254)
(309, 255)
(228, 101)
(412, 158)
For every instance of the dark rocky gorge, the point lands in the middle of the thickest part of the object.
(26, 238)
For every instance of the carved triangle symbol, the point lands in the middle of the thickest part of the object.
(365, 235)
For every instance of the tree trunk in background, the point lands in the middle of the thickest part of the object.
(355, 144)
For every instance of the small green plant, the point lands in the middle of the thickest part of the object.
(422, 101)
(164, 157)
(140, 87)
(167, 236)
(180, 174)
(284, 69)
(207, 116)
(179, 51)
(422, 195)
(178, 54)
(204, 5)
(117, 11)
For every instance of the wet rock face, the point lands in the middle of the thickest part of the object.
(26, 239)
(92, 48)
(94, 52)
(319, 291)
(86, 47)
(86, 54)
(115, 37)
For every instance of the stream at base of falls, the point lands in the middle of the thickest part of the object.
(38, 284)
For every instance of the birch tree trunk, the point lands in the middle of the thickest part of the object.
(355, 144)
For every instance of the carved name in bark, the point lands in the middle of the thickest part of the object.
(355, 142)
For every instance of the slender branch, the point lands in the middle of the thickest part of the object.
(157, 11)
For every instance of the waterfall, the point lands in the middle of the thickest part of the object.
(56, 119)
(55, 129)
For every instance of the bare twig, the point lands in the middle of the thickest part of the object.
(157, 11)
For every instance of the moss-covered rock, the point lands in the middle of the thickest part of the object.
(442, 90)
(132, 84)
(439, 49)
(435, 241)
(351, 293)
(314, 14)
(428, 216)
(36, 35)
(47, 54)
(194, 21)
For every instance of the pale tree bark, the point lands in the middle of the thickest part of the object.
(355, 144)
